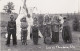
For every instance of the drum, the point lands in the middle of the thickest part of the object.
(48, 40)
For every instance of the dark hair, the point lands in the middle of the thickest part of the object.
(22, 20)
(28, 15)
(64, 18)
(11, 16)
(35, 18)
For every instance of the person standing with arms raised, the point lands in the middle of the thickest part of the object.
(11, 29)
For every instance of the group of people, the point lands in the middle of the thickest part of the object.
(52, 28)
(50, 34)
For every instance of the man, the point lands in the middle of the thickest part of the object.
(66, 32)
(11, 29)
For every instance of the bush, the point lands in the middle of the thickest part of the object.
(76, 24)
(3, 24)
(79, 25)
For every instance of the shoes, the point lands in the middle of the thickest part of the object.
(14, 44)
(69, 42)
(8, 45)
(35, 43)
(24, 43)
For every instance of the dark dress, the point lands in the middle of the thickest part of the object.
(35, 31)
(35, 34)
(66, 33)
(55, 36)
(11, 28)
(55, 31)
(47, 34)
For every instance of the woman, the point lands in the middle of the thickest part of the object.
(55, 29)
(47, 34)
(66, 33)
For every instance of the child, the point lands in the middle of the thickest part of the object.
(35, 31)
(24, 26)
(66, 33)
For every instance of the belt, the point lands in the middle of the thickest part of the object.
(11, 28)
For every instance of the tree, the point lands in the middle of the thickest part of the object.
(9, 7)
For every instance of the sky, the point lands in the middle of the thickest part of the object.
(45, 6)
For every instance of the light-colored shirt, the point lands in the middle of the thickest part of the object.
(24, 25)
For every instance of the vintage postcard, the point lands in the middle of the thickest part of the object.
(40, 25)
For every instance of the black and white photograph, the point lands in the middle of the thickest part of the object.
(39, 25)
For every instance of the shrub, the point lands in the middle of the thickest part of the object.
(3, 24)
(76, 24)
